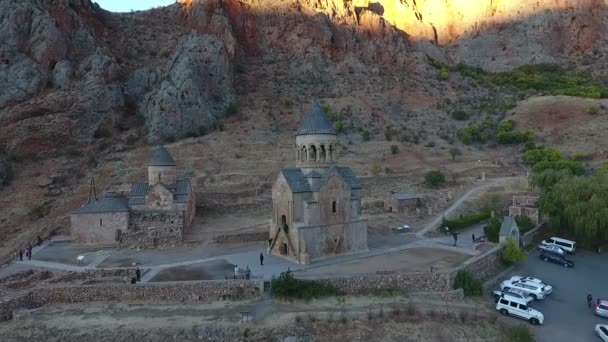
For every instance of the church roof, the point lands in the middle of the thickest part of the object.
(161, 157)
(314, 174)
(104, 205)
(295, 180)
(140, 190)
(315, 121)
(350, 177)
(508, 224)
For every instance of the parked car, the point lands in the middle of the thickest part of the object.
(518, 308)
(551, 249)
(532, 289)
(403, 228)
(567, 245)
(601, 308)
(556, 259)
(601, 330)
(548, 288)
(497, 294)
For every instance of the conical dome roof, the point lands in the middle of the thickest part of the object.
(315, 121)
(161, 157)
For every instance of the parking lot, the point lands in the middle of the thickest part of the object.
(567, 317)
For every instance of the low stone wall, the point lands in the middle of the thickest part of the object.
(446, 296)
(245, 237)
(179, 291)
(483, 266)
(408, 282)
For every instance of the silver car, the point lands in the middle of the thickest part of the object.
(551, 249)
(601, 308)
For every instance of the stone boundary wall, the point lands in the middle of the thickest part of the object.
(447, 296)
(482, 266)
(178, 291)
(244, 237)
(409, 282)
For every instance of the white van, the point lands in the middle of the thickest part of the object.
(567, 245)
(512, 306)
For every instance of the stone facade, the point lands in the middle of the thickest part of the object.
(98, 228)
(154, 213)
(483, 266)
(316, 206)
(526, 206)
(165, 292)
(404, 203)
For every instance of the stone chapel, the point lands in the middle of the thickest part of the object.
(317, 204)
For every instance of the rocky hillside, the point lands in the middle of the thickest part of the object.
(80, 85)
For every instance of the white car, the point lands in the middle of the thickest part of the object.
(601, 330)
(547, 289)
(534, 290)
(513, 307)
(404, 228)
(551, 249)
(497, 294)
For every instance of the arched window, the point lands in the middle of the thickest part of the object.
(331, 152)
(303, 154)
(312, 153)
(322, 153)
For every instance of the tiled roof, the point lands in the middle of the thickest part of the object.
(314, 174)
(295, 180)
(104, 205)
(349, 177)
(137, 200)
(508, 223)
(161, 157)
(315, 121)
(139, 189)
(182, 186)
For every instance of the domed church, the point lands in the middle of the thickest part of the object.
(317, 204)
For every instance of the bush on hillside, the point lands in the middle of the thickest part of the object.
(434, 178)
(512, 253)
(470, 285)
(520, 333)
(492, 229)
(524, 223)
(287, 286)
(464, 221)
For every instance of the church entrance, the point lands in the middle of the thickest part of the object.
(283, 249)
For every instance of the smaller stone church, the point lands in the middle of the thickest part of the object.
(317, 204)
(154, 213)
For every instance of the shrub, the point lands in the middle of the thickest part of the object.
(131, 139)
(286, 286)
(102, 132)
(460, 115)
(580, 156)
(434, 178)
(470, 285)
(394, 149)
(533, 156)
(232, 109)
(593, 110)
(39, 211)
(339, 126)
(492, 229)
(366, 135)
(375, 169)
(444, 74)
(520, 333)
(388, 132)
(464, 221)
(512, 253)
(524, 223)
(455, 152)
(576, 168)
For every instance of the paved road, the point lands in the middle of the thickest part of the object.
(567, 317)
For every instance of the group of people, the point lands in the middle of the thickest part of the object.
(18, 255)
(237, 272)
(590, 300)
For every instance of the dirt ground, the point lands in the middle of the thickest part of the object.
(332, 319)
(212, 270)
(420, 259)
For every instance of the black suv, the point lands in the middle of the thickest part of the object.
(557, 259)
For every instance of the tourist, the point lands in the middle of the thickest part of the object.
(262, 259)
(29, 252)
(247, 272)
(455, 239)
(38, 240)
(473, 237)
(138, 274)
(236, 271)
(589, 299)
(20, 254)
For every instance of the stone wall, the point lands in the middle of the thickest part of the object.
(483, 266)
(149, 228)
(170, 292)
(409, 282)
(98, 228)
(244, 237)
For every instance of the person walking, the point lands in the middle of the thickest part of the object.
(20, 254)
(262, 259)
(455, 239)
(29, 252)
(236, 271)
(138, 274)
(473, 237)
(589, 299)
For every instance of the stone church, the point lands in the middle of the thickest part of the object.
(316, 205)
(154, 213)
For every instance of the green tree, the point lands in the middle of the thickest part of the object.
(434, 178)
(470, 285)
(366, 135)
(394, 149)
(533, 156)
(512, 253)
(375, 169)
(492, 229)
(524, 223)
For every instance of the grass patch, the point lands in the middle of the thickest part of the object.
(520, 333)
(288, 287)
(464, 221)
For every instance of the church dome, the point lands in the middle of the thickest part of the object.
(161, 157)
(315, 121)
